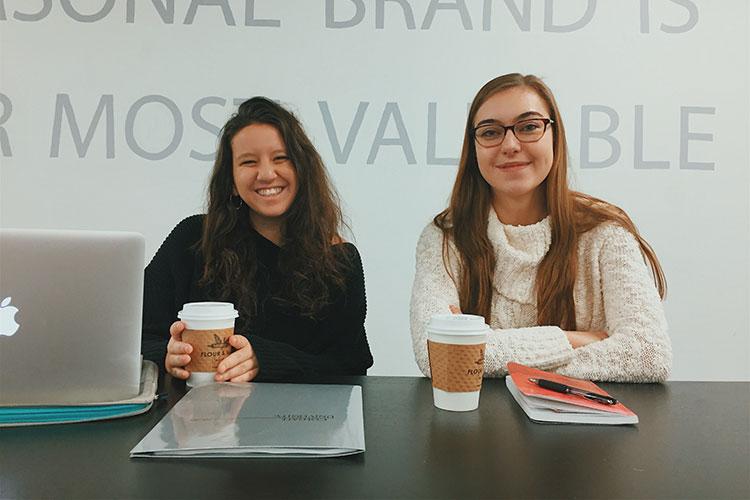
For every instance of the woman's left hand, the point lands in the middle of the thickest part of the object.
(241, 365)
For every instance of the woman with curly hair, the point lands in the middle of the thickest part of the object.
(270, 243)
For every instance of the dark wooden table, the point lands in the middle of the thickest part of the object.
(693, 441)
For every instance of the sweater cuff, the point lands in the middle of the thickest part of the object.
(542, 347)
(154, 350)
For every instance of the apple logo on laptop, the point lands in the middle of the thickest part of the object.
(8, 325)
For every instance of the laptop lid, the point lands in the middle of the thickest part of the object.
(70, 316)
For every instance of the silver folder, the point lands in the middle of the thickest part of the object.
(260, 419)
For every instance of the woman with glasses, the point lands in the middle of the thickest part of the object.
(564, 279)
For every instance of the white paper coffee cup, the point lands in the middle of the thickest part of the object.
(208, 326)
(455, 345)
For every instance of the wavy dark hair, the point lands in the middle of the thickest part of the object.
(571, 214)
(312, 225)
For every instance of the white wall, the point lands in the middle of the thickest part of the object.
(669, 77)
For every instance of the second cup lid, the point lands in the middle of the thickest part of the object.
(458, 324)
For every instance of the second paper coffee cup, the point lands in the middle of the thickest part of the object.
(208, 328)
(455, 345)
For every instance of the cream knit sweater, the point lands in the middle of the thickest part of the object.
(614, 292)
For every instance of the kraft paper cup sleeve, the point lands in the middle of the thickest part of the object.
(210, 347)
(456, 367)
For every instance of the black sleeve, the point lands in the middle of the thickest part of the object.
(347, 353)
(167, 285)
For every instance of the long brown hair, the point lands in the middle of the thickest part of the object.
(311, 225)
(571, 214)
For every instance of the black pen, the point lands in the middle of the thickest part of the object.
(566, 389)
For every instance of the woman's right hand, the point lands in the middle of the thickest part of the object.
(178, 352)
(580, 339)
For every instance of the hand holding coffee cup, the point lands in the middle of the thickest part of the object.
(178, 352)
(201, 345)
(241, 365)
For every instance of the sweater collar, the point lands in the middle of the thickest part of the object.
(268, 251)
(518, 250)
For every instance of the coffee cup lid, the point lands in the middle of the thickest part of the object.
(208, 311)
(458, 324)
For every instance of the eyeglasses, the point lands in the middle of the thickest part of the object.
(492, 134)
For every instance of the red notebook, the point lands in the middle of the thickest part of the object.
(545, 405)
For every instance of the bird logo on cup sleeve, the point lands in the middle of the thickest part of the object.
(219, 343)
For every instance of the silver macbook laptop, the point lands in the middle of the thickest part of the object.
(70, 316)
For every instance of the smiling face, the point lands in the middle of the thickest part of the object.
(515, 170)
(264, 176)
